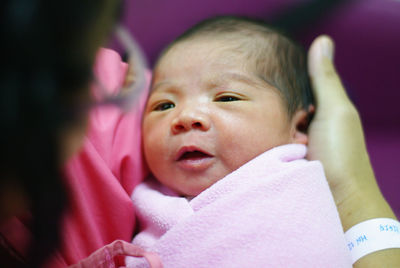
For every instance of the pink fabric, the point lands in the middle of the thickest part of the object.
(101, 177)
(275, 211)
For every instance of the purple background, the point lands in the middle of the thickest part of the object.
(367, 38)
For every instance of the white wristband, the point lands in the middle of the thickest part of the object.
(372, 235)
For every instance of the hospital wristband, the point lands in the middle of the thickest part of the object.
(372, 235)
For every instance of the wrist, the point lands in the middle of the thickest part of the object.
(362, 205)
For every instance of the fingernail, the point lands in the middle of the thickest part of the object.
(327, 48)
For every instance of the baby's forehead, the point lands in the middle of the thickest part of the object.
(213, 55)
(216, 48)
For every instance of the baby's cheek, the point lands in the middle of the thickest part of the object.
(150, 133)
(245, 146)
(151, 146)
(239, 148)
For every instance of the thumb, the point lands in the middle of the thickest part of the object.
(327, 86)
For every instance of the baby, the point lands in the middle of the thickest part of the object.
(223, 93)
(225, 97)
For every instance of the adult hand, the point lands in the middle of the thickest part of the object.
(107, 256)
(335, 134)
(336, 139)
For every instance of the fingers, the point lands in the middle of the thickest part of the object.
(327, 87)
(114, 254)
(321, 47)
(120, 247)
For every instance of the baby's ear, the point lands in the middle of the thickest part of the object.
(299, 127)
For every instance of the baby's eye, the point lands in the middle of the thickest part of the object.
(164, 106)
(227, 98)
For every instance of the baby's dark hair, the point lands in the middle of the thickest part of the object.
(274, 57)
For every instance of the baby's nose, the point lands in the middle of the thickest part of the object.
(190, 120)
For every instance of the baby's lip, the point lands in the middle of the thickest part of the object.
(191, 152)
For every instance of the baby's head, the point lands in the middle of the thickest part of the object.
(223, 93)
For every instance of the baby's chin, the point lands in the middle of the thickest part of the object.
(191, 192)
(194, 185)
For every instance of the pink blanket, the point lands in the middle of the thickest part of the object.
(275, 211)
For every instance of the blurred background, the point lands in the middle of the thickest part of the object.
(367, 38)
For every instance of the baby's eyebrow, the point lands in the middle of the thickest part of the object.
(239, 78)
(165, 87)
(160, 84)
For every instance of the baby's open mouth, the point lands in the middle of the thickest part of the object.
(194, 155)
(194, 159)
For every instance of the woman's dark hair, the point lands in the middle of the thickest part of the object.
(46, 67)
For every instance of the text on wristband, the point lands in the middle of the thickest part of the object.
(389, 228)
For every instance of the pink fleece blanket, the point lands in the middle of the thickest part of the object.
(275, 211)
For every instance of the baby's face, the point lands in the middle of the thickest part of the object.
(206, 116)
